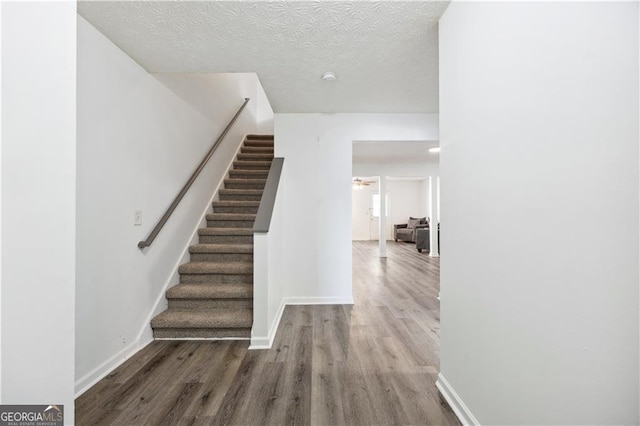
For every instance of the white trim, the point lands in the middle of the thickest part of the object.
(455, 402)
(265, 342)
(208, 339)
(318, 300)
(84, 383)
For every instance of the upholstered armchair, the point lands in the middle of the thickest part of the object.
(407, 231)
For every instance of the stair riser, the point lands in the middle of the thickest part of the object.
(258, 143)
(215, 278)
(244, 185)
(230, 223)
(235, 209)
(256, 150)
(250, 165)
(200, 333)
(260, 136)
(222, 257)
(248, 174)
(240, 197)
(255, 156)
(226, 239)
(210, 303)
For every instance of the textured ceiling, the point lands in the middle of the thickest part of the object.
(394, 152)
(385, 53)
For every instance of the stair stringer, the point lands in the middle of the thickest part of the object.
(161, 304)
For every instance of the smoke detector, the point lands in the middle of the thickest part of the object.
(329, 76)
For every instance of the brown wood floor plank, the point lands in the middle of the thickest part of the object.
(221, 372)
(327, 391)
(179, 406)
(297, 376)
(374, 363)
(284, 339)
(151, 403)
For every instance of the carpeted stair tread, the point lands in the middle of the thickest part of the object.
(211, 291)
(233, 203)
(259, 143)
(259, 156)
(260, 137)
(249, 164)
(245, 180)
(245, 184)
(207, 268)
(202, 333)
(257, 149)
(221, 248)
(240, 192)
(225, 231)
(248, 174)
(231, 216)
(254, 156)
(203, 318)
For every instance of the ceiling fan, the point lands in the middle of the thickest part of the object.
(359, 183)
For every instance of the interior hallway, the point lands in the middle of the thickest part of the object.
(372, 363)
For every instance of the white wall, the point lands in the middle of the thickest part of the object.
(539, 167)
(0, 206)
(268, 291)
(317, 208)
(264, 112)
(38, 202)
(405, 197)
(396, 169)
(140, 136)
(214, 94)
(424, 196)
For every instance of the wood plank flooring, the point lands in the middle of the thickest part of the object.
(374, 363)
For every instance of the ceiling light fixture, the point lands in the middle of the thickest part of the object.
(329, 76)
(435, 149)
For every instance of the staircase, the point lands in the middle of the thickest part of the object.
(214, 298)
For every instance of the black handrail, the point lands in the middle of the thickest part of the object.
(263, 217)
(154, 233)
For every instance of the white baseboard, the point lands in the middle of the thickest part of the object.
(457, 405)
(204, 339)
(84, 383)
(318, 300)
(265, 342)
